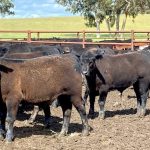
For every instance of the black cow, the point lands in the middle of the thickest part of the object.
(91, 86)
(118, 72)
(13, 49)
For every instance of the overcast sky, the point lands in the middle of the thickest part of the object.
(38, 8)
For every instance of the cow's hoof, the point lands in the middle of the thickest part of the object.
(2, 137)
(138, 114)
(8, 142)
(91, 114)
(2, 134)
(101, 115)
(62, 134)
(85, 132)
(31, 121)
(9, 138)
(143, 112)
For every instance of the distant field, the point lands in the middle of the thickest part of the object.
(142, 22)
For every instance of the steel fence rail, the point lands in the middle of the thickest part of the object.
(79, 34)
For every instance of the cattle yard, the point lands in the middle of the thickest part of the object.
(121, 129)
(118, 40)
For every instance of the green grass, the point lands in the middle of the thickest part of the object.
(142, 22)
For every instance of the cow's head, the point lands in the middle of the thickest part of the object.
(3, 51)
(88, 62)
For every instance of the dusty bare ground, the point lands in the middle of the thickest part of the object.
(121, 129)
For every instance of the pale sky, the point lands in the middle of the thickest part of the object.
(38, 8)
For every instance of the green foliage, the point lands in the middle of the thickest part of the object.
(97, 10)
(6, 7)
(92, 10)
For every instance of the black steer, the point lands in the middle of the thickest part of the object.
(91, 84)
(118, 72)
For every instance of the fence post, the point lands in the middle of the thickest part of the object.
(78, 35)
(83, 42)
(29, 36)
(38, 35)
(148, 36)
(132, 40)
(116, 35)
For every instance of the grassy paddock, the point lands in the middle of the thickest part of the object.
(142, 22)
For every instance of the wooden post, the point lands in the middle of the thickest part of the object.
(78, 35)
(38, 35)
(83, 42)
(132, 40)
(116, 35)
(29, 36)
(148, 36)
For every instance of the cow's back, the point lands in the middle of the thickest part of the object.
(43, 78)
(124, 69)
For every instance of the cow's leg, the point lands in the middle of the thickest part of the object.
(92, 102)
(91, 87)
(86, 94)
(144, 97)
(79, 105)
(66, 106)
(12, 108)
(142, 92)
(137, 92)
(101, 101)
(3, 112)
(86, 89)
(55, 103)
(34, 114)
(47, 114)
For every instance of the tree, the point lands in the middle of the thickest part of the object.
(128, 8)
(96, 11)
(6, 7)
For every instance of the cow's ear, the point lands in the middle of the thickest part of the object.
(99, 56)
(5, 69)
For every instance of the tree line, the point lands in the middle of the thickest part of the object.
(97, 11)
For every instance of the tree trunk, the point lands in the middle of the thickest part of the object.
(124, 22)
(108, 26)
(117, 22)
(117, 25)
(98, 28)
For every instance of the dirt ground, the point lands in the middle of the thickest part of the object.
(120, 130)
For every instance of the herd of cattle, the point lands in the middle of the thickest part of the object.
(43, 74)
